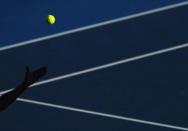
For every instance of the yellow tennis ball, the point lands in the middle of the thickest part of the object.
(51, 19)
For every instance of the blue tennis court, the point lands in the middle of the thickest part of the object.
(125, 73)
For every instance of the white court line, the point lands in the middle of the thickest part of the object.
(127, 60)
(96, 25)
(103, 114)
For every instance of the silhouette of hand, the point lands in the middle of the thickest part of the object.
(33, 76)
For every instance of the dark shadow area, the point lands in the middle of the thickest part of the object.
(30, 78)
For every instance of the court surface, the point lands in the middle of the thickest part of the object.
(127, 74)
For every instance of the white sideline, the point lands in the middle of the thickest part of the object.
(127, 60)
(103, 114)
(168, 7)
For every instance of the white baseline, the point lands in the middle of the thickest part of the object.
(168, 7)
(103, 114)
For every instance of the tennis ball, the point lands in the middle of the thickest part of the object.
(51, 19)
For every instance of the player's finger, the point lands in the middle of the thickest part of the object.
(27, 69)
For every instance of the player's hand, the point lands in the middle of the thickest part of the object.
(33, 76)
